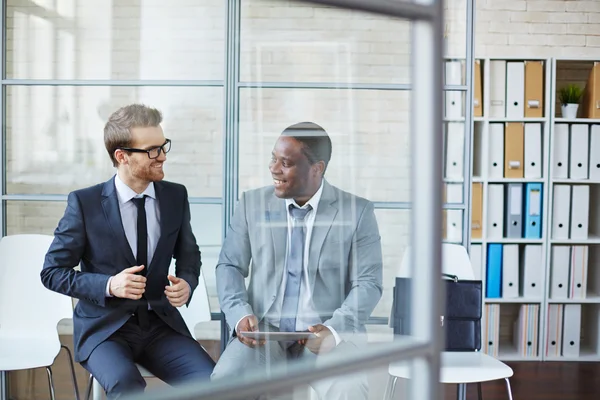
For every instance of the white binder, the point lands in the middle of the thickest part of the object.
(595, 152)
(455, 145)
(578, 165)
(491, 330)
(578, 271)
(497, 88)
(531, 270)
(580, 205)
(559, 272)
(496, 151)
(454, 104)
(476, 256)
(560, 152)
(515, 89)
(495, 211)
(510, 271)
(533, 150)
(554, 330)
(561, 208)
(571, 330)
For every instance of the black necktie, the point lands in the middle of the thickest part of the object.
(142, 255)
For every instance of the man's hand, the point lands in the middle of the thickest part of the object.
(248, 324)
(178, 293)
(127, 285)
(323, 343)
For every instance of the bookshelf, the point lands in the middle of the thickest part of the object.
(572, 256)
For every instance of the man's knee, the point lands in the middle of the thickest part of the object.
(119, 379)
(351, 387)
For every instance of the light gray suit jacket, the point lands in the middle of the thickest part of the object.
(344, 264)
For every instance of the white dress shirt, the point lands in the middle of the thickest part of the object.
(129, 213)
(306, 315)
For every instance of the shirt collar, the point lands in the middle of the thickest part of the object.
(125, 193)
(314, 201)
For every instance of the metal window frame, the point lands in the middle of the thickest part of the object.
(428, 12)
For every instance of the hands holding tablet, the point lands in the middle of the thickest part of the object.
(323, 341)
(246, 326)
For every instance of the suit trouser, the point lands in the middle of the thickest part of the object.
(239, 358)
(169, 355)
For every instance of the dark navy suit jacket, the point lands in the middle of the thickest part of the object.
(91, 234)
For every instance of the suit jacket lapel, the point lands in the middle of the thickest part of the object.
(110, 205)
(276, 218)
(323, 221)
(165, 217)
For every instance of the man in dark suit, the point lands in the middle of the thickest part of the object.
(123, 233)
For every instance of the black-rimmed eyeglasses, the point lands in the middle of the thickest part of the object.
(154, 152)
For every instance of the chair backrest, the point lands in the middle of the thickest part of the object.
(25, 304)
(455, 261)
(199, 308)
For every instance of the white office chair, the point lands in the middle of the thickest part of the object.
(30, 313)
(198, 311)
(459, 368)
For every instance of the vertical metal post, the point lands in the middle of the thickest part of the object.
(426, 192)
(469, 125)
(3, 375)
(231, 124)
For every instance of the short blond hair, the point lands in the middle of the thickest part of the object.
(117, 131)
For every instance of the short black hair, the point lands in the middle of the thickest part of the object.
(317, 143)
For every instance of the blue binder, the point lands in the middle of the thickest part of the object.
(533, 211)
(494, 271)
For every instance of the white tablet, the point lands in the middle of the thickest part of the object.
(278, 336)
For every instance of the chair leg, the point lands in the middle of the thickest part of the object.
(73, 377)
(98, 390)
(51, 383)
(508, 389)
(461, 391)
(479, 391)
(88, 390)
(390, 389)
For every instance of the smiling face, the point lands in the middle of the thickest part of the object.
(294, 177)
(137, 169)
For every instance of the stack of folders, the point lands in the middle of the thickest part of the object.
(491, 334)
(563, 330)
(513, 273)
(514, 211)
(569, 272)
(576, 151)
(526, 330)
(515, 150)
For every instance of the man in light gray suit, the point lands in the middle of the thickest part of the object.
(313, 253)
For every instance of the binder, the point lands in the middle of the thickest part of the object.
(532, 271)
(533, 150)
(495, 211)
(514, 208)
(494, 271)
(554, 330)
(510, 271)
(594, 153)
(491, 332)
(533, 211)
(534, 89)
(496, 151)
(591, 95)
(560, 152)
(513, 150)
(452, 219)
(497, 88)
(580, 205)
(578, 272)
(455, 144)
(561, 210)
(476, 257)
(454, 102)
(571, 330)
(477, 90)
(477, 211)
(515, 89)
(559, 272)
(525, 332)
(578, 165)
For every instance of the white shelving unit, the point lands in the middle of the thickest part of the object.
(588, 340)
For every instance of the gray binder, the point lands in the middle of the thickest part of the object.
(513, 212)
